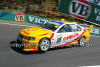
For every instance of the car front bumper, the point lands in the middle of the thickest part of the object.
(28, 45)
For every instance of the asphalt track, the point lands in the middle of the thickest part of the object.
(61, 57)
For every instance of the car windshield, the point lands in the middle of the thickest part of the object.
(48, 26)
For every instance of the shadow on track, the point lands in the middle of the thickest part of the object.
(12, 45)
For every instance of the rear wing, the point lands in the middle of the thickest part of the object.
(90, 28)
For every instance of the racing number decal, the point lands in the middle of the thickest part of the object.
(59, 39)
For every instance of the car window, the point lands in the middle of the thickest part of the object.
(79, 28)
(65, 28)
(75, 28)
(48, 26)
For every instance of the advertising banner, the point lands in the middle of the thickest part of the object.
(81, 9)
(95, 32)
(7, 16)
(37, 20)
(23, 18)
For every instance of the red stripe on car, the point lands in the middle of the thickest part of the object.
(80, 35)
(51, 36)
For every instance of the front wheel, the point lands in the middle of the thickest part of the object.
(44, 45)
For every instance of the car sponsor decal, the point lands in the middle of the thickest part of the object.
(59, 39)
(30, 49)
(25, 32)
(59, 35)
(33, 29)
(62, 45)
(57, 23)
(70, 37)
(64, 38)
(19, 17)
(45, 34)
(80, 9)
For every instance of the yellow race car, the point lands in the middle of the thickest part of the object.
(52, 35)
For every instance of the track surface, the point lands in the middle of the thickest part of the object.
(62, 57)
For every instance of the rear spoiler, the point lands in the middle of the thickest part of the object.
(90, 28)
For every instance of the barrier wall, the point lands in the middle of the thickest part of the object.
(23, 18)
(36, 20)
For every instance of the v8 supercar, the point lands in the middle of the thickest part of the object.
(52, 35)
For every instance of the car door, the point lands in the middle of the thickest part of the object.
(62, 36)
(76, 29)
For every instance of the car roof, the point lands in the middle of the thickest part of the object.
(63, 22)
(58, 23)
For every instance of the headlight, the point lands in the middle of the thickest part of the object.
(30, 38)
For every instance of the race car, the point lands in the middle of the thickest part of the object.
(52, 35)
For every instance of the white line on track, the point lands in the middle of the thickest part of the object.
(91, 66)
(16, 24)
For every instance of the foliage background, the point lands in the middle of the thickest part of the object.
(41, 8)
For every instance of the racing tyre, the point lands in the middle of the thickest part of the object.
(44, 45)
(81, 42)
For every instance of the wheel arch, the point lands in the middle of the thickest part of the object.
(45, 38)
(81, 37)
(84, 37)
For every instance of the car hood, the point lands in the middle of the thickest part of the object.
(35, 31)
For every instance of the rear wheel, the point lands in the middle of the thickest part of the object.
(44, 45)
(81, 42)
